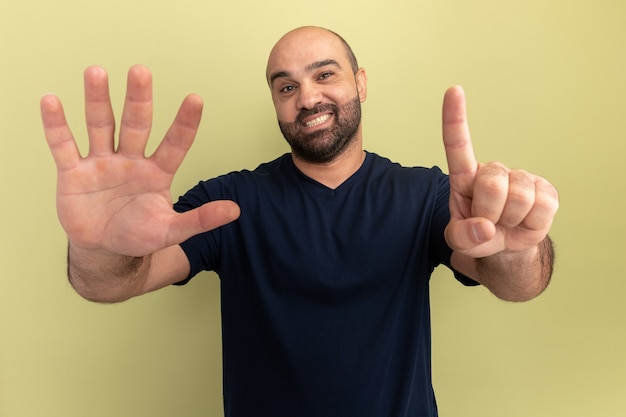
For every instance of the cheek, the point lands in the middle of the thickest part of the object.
(284, 112)
(284, 103)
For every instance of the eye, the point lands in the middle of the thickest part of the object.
(287, 89)
(325, 75)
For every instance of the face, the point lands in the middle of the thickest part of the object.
(316, 94)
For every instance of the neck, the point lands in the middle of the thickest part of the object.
(332, 174)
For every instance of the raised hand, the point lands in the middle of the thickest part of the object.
(118, 200)
(493, 209)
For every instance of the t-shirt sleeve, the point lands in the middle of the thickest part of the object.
(202, 250)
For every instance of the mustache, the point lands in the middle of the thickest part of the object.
(319, 108)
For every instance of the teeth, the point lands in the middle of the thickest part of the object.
(318, 121)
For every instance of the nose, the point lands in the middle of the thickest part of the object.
(308, 96)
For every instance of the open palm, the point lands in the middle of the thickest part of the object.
(118, 200)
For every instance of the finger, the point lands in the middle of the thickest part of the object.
(490, 192)
(98, 112)
(202, 219)
(137, 114)
(475, 236)
(544, 208)
(58, 134)
(456, 137)
(179, 138)
(520, 199)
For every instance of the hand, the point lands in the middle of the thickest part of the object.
(493, 209)
(118, 200)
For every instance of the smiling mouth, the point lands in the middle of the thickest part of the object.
(318, 120)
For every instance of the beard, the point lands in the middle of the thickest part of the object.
(324, 145)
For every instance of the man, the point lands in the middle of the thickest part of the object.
(324, 254)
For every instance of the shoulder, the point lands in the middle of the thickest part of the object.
(233, 185)
(389, 171)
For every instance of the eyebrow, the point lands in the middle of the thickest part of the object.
(311, 67)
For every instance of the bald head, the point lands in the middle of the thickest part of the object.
(297, 39)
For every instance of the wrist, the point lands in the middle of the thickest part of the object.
(103, 276)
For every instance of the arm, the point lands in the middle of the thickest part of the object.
(115, 204)
(514, 276)
(111, 278)
(499, 217)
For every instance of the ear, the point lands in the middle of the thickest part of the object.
(361, 84)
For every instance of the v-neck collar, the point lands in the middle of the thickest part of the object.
(318, 187)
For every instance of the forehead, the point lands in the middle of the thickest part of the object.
(297, 50)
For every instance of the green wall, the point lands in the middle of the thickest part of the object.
(545, 86)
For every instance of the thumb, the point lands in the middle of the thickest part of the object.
(202, 219)
(470, 236)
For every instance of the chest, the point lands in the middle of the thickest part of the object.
(364, 240)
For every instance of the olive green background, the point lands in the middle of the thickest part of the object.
(545, 87)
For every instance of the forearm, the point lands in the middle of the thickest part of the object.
(105, 277)
(515, 276)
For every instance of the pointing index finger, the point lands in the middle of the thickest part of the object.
(456, 137)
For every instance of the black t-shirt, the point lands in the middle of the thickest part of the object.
(324, 293)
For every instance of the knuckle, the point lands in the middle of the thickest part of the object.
(547, 195)
(492, 178)
(495, 169)
(521, 196)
